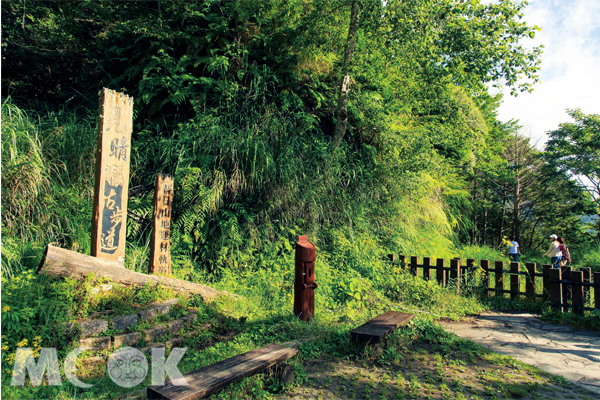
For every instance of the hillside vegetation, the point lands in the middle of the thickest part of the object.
(239, 101)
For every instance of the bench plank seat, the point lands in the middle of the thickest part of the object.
(212, 378)
(380, 326)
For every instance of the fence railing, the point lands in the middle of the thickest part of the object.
(563, 287)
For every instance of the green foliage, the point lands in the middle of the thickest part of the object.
(591, 258)
(32, 306)
(235, 99)
(574, 148)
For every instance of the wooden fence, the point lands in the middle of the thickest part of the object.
(563, 287)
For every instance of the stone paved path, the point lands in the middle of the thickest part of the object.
(557, 349)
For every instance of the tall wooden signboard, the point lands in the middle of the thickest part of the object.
(160, 250)
(112, 176)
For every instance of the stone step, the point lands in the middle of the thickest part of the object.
(95, 327)
(149, 335)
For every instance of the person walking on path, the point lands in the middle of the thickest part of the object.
(514, 251)
(554, 252)
(565, 258)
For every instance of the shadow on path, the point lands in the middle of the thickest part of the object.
(557, 349)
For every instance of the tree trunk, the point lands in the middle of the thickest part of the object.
(516, 206)
(503, 217)
(341, 113)
(474, 230)
(62, 263)
(485, 221)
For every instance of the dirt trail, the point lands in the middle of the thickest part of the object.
(557, 349)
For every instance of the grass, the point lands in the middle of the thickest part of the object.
(420, 361)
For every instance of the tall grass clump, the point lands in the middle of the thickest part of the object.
(46, 183)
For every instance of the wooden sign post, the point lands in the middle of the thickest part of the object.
(160, 250)
(112, 176)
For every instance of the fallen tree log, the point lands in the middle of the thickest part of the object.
(66, 263)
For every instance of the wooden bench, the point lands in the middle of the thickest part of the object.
(210, 379)
(380, 326)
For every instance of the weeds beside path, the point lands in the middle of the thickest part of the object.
(557, 349)
(449, 369)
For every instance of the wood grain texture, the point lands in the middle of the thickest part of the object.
(530, 284)
(379, 327)
(566, 292)
(65, 263)
(441, 274)
(210, 379)
(499, 277)
(109, 216)
(556, 292)
(577, 292)
(160, 248)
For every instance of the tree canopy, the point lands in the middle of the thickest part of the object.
(575, 148)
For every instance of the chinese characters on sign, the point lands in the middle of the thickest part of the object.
(112, 176)
(160, 251)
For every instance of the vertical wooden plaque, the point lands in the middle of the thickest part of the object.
(160, 249)
(112, 176)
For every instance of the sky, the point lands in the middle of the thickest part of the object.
(570, 69)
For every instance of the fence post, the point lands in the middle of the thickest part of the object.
(566, 292)
(515, 281)
(499, 277)
(455, 272)
(546, 281)
(402, 260)
(468, 271)
(485, 279)
(530, 286)
(587, 273)
(577, 291)
(440, 274)
(556, 293)
(414, 265)
(426, 270)
(597, 290)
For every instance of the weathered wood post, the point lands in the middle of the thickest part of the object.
(566, 288)
(441, 271)
(305, 285)
(485, 280)
(402, 260)
(112, 176)
(499, 278)
(160, 248)
(414, 265)
(515, 281)
(468, 272)
(577, 292)
(426, 268)
(556, 292)
(587, 274)
(530, 286)
(546, 280)
(455, 272)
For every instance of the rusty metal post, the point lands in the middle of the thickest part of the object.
(304, 286)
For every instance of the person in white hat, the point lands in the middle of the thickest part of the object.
(554, 251)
